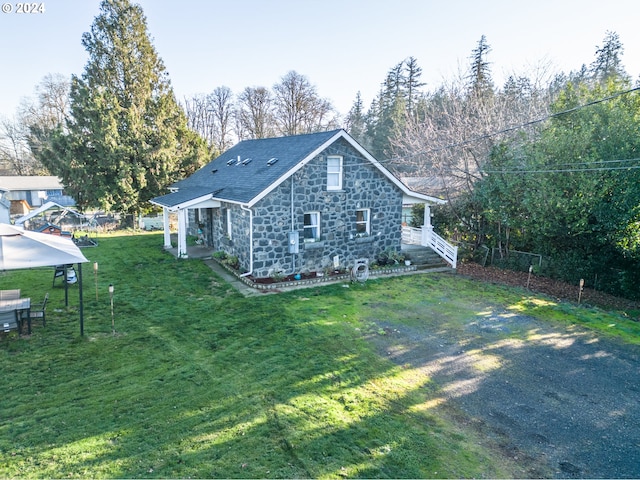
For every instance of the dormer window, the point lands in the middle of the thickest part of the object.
(334, 173)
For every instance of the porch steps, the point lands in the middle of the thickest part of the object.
(424, 258)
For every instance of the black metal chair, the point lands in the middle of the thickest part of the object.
(38, 310)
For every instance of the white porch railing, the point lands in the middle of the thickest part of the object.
(427, 237)
(411, 235)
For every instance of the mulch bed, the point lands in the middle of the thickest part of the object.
(548, 286)
(292, 278)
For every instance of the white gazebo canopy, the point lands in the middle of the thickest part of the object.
(22, 249)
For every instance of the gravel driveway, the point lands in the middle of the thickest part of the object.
(558, 400)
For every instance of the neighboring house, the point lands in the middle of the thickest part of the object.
(293, 204)
(26, 192)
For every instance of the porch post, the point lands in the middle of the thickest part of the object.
(182, 233)
(167, 228)
(427, 216)
(427, 228)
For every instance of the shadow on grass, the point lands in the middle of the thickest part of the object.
(199, 381)
(557, 397)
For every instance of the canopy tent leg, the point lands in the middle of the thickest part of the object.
(81, 299)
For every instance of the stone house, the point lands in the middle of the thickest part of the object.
(293, 204)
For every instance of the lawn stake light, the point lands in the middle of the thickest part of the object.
(95, 276)
(113, 323)
(581, 288)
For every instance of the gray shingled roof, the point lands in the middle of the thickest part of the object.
(241, 181)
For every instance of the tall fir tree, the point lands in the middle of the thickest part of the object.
(355, 121)
(412, 83)
(127, 138)
(480, 81)
(608, 64)
(391, 111)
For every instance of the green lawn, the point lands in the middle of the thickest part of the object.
(199, 381)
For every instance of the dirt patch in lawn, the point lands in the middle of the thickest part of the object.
(548, 286)
(556, 401)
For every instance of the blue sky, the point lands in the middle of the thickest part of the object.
(342, 46)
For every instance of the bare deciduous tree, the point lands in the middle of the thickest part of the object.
(254, 114)
(298, 108)
(449, 143)
(47, 113)
(15, 154)
(200, 117)
(221, 104)
(210, 116)
(51, 106)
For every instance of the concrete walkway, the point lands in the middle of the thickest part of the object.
(205, 254)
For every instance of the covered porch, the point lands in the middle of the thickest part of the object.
(425, 236)
(180, 203)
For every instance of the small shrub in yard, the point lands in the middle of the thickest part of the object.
(220, 255)
(232, 261)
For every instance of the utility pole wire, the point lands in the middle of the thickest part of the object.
(513, 128)
(570, 170)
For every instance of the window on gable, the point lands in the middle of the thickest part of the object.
(312, 226)
(363, 224)
(334, 173)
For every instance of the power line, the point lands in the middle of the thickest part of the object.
(514, 127)
(572, 170)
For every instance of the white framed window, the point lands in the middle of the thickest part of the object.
(229, 223)
(334, 173)
(312, 226)
(363, 222)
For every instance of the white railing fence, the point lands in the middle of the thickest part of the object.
(427, 237)
(411, 236)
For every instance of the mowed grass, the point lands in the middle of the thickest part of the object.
(198, 381)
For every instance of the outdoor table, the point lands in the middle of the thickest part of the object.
(9, 294)
(18, 305)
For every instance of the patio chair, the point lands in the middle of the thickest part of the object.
(9, 321)
(38, 310)
(59, 273)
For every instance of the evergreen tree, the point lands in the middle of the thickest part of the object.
(127, 138)
(480, 82)
(573, 192)
(355, 121)
(608, 63)
(391, 113)
(412, 83)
